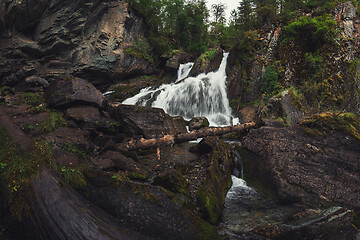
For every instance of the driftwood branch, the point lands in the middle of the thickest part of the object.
(166, 140)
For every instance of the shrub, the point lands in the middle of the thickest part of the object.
(52, 122)
(271, 84)
(312, 32)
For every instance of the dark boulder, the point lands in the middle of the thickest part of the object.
(146, 121)
(71, 92)
(149, 209)
(285, 106)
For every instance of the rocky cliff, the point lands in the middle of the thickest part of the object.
(52, 39)
(300, 60)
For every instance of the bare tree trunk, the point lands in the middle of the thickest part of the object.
(166, 140)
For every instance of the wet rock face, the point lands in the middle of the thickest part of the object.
(297, 167)
(73, 91)
(85, 38)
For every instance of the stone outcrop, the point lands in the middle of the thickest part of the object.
(51, 39)
(300, 168)
(73, 91)
(146, 121)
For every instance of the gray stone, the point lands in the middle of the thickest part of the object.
(73, 91)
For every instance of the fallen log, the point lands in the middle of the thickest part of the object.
(140, 144)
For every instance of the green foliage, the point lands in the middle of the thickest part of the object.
(52, 122)
(17, 169)
(7, 91)
(271, 84)
(28, 128)
(175, 24)
(75, 177)
(140, 49)
(29, 98)
(207, 56)
(311, 32)
(313, 63)
(71, 147)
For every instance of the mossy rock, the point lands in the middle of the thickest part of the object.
(211, 195)
(198, 122)
(327, 122)
(173, 181)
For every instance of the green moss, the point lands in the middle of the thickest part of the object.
(74, 176)
(206, 231)
(298, 100)
(28, 128)
(173, 181)
(137, 176)
(52, 122)
(211, 195)
(29, 98)
(17, 169)
(71, 147)
(7, 91)
(326, 123)
(39, 109)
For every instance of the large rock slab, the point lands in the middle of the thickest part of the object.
(58, 212)
(73, 91)
(146, 121)
(296, 167)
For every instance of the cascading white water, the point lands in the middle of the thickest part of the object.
(184, 70)
(203, 95)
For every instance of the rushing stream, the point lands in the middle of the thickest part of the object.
(204, 95)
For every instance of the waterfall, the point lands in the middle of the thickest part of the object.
(184, 70)
(204, 95)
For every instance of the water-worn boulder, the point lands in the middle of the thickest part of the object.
(146, 121)
(89, 39)
(296, 167)
(73, 91)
